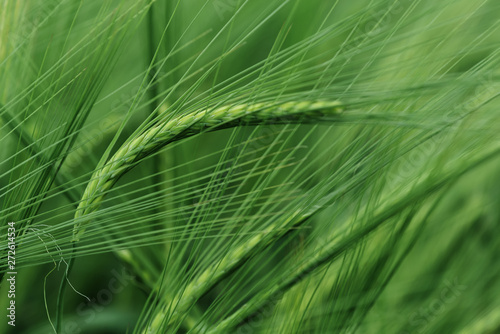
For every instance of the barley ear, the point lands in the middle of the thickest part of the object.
(167, 131)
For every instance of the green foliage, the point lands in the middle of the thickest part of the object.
(232, 166)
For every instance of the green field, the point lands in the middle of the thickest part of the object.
(250, 166)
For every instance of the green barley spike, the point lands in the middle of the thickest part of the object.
(167, 131)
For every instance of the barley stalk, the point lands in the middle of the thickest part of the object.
(165, 132)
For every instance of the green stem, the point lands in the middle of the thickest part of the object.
(62, 290)
(153, 92)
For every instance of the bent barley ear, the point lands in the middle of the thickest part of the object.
(167, 131)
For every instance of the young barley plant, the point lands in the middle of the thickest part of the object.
(232, 166)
